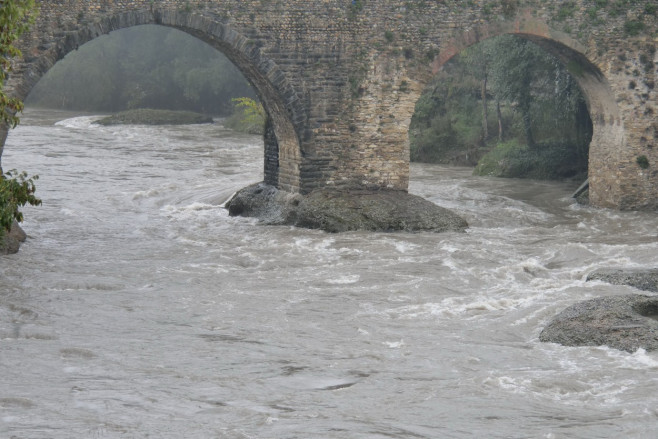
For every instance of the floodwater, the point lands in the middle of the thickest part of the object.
(139, 309)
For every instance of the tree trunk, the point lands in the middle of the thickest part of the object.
(525, 103)
(500, 121)
(527, 128)
(485, 127)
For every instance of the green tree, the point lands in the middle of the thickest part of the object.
(16, 190)
(538, 106)
(248, 117)
(478, 63)
(516, 66)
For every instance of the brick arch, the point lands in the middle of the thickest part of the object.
(608, 137)
(287, 115)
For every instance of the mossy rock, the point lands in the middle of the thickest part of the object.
(377, 211)
(347, 210)
(145, 116)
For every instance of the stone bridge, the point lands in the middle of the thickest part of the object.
(339, 78)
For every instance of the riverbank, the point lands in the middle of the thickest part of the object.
(147, 116)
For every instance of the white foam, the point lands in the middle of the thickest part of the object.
(80, 122)
(403, 246)
(344, 280)
(638, 360)
(189, 211)
(452, 306)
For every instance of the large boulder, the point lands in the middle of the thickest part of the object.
(341, 211)
(270, 205)
(646, 280)
(10, 242)
(625, 322)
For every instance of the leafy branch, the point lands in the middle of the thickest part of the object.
(249, 116)
(16, 190)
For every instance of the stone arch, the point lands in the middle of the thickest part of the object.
(608, 132)
(287, 115)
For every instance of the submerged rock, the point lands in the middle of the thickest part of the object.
(646, 280)
(341, 211)
(625, 322)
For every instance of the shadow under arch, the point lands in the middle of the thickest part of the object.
(286, 111)
(608, 131)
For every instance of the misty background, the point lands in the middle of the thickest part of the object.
(146, 66)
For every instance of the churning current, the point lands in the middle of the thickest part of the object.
(139, 309)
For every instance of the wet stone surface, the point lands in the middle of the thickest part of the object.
(646, 280)
(11, 241)
(341, 211)
(627, 323)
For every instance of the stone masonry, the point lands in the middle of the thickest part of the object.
(340, 78)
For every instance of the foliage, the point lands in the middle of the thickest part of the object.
(15, 19)
(248, 117)
(505, 158)
(143, 67)
(447, 124)
(551, 161)
(642, 161)
(503, 90)
(633, 27)
(16, 189)
(567, 10)
(355, 7)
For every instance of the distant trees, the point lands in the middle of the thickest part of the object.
(143, 67)
(536, 102)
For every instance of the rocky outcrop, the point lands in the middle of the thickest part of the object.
(11, 241)
(341, 211)
(646, 280)
(625, 322)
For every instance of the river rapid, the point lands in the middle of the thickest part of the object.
(138, 309)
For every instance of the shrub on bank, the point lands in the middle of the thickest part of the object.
(546, 161)
(248, 116)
